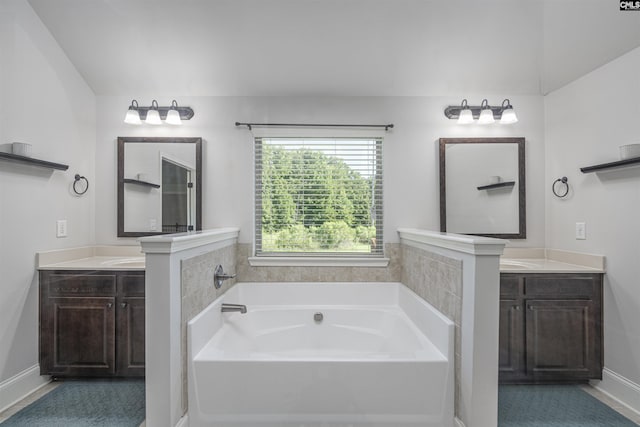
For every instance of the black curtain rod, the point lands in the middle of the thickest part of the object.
(249, 125)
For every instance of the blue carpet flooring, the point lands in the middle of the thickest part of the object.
(86, 403)
(554, 406)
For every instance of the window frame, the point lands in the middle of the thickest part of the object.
(283, 258)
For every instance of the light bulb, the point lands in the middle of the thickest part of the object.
(173, 115)
(465, 117)
(486, 115)
(508, 113)
(133, 116)
(153, 116)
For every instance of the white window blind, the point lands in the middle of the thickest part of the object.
(318, 196)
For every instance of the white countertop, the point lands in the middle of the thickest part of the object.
(93, 258)
(542, 265)
(98, 263)
(540, 260)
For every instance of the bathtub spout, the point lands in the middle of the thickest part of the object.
(234, 307)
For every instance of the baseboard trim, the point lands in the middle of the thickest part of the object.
(619, 388)
(458, 422)
(19, 386)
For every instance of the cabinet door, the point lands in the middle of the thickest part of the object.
(511, 355)
(131, 324)
(80, 336)
(562, 340)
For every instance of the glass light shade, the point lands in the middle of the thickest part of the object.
(509, 116)
(465, 117)
(486, 117)
(132, 117)
(153, 118)
(173, 117)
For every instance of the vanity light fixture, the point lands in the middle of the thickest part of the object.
(466, 116)
(155, 114)
(486, 114)
(133, 115)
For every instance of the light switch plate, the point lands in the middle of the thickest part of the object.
(61, 228)
(581, 231)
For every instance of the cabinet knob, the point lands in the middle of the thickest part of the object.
(109, 305)
(123, 305)
(516, 307)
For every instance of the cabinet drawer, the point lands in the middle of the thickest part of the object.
(73, 284)
(562, 285)
(509, 285)
(131, 284)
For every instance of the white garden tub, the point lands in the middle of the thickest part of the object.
(381, 356)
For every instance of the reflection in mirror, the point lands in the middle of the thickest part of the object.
(159, 185)
(482, 187)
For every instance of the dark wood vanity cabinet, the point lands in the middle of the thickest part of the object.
(92, 323)
(550, 327)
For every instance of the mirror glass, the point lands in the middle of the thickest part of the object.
(482, 187)
(159, 185)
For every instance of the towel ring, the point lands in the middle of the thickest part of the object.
(564, 180)
(81, 182)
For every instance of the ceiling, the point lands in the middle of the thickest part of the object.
(337, 47)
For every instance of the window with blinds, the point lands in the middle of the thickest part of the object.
(318, 196)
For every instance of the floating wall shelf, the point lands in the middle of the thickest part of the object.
(34, 162)
(142, 183)
(611, 165)
(497, 185)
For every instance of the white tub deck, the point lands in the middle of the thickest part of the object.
(380, 357)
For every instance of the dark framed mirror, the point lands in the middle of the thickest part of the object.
(482, 187)
(159, 185)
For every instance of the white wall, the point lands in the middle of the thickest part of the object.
(411, 189)
(45, 102)
(586, 121)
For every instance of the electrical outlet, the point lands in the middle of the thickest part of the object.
(153, 224)
(581, 231)
(61, 228)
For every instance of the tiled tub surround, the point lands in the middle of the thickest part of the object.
(166, 255)
(460, 276)
(198, 292)
(436, 277)
(248, 273)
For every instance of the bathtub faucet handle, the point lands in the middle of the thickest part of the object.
(220, 276)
